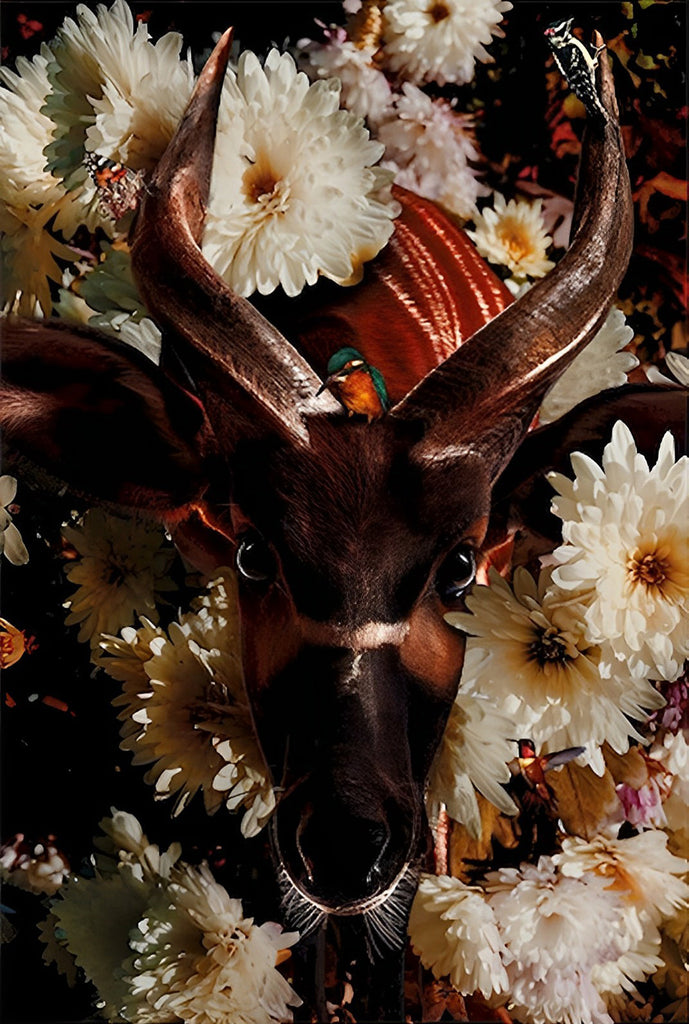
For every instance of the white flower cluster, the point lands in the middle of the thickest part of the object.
(558, 941)
(162, 941)
(184, 709)
(567, 659)
(429, 147)
(295, 193)
(625, 557)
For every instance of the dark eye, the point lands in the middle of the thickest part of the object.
(455, 574)
(255, 560)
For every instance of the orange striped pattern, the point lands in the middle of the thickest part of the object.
(426, 293)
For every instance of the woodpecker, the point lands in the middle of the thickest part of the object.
(577, 65)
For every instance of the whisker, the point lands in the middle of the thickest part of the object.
(384, 919)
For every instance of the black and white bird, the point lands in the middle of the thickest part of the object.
(577, 65)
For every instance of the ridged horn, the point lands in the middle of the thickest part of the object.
(483, 397)
(232, 352)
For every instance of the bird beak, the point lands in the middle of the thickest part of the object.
(326, 383)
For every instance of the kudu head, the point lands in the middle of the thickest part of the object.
(351, 540)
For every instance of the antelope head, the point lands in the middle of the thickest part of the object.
(351, 540)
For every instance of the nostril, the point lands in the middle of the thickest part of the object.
(377, 840)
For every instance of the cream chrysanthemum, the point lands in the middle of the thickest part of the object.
(164, 943)
(114, 92)
(199, 959)
(294, 192)
(440, 40)
(529, 653)
(454, 932)
(643, 872)
(556, 930)
(602, 364)
(122, 568)
(512, 235)
(365, 89)
(474, 752)
(185, 711)
(11, 544)
(641, 867)
(626, 554)
(30, 197)
(431, 150)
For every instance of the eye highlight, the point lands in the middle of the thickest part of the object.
(254, 559)
(456, 574)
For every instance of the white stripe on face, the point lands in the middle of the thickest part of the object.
(366, 637)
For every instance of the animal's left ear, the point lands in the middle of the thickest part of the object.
(95, 414)
(522, 494)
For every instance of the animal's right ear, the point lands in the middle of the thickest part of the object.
(95, 414)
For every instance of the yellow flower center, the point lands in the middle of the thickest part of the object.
(549, 647)
(267, 189)
(515, 240)
(438, 12)
(660, 565)
(651, 569)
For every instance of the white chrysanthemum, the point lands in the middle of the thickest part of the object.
(114, 92)
(454, 932)
(122, 568)
(125, 847)
(602, 364)
(440, 40)
(184, 708)
(556, 930)
(365, 89)
(30, 196)
(626, 553)
(430, 148)
(199, 959)
(512, 235)
(474, 752)
(529, 653)
(11, 543)
(640, 867)
(293, 193)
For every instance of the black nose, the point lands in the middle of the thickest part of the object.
(343, 858)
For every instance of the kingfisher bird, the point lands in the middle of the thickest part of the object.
(359, 386)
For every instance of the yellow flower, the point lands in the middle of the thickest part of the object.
(122, 569)
(512, 235)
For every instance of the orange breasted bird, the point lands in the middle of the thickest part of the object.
(533, 768)
(359, 386)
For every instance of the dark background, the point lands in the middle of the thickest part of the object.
(62, 770)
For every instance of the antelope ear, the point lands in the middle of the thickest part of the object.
(93, 413)
(522, 494)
